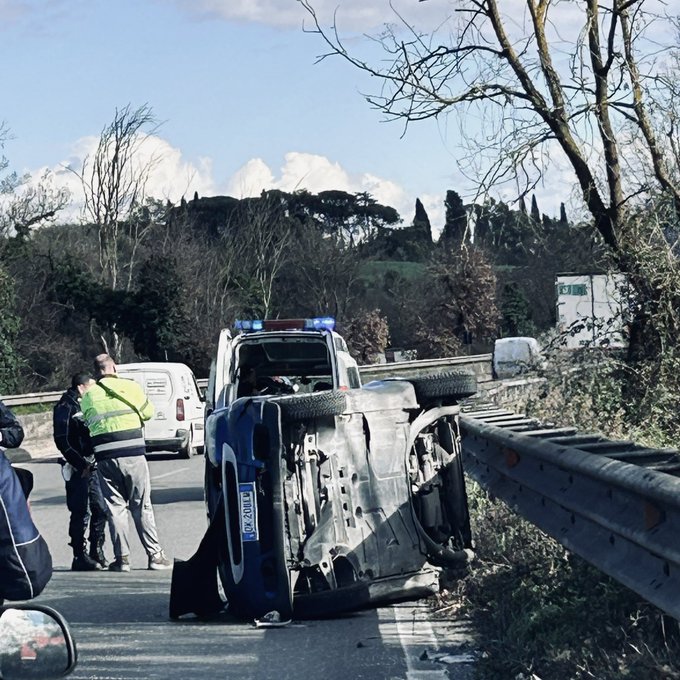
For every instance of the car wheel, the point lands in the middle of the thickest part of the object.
(306, 406)
(444, 386)
(185, 451)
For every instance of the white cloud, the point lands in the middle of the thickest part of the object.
(388, 193)
(250, 179)
(317, 173)
(171, 177)
(174, 176)
(314, 173)
(357, 15)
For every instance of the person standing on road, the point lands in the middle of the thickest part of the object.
(84, 497)
(115, 410)
(25, 560)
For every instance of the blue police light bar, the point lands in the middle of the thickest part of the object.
(248, 324)
(318, 323)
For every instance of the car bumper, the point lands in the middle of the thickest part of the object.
(179, 441)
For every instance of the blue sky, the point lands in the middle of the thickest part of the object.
(235, 83)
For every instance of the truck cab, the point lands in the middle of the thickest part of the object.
(280, 356)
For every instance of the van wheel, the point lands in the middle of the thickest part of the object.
(445, 386)
(186, 451)
(307, 406)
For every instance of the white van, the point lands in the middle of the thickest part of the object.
(512, 356)
(177, 424)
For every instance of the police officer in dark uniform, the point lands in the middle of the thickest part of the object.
(84, 497)
(25, 560)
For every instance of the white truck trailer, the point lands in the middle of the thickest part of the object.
(591, 309)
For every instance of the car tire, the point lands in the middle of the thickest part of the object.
(447, 386)
(186, 451)
(308, 406)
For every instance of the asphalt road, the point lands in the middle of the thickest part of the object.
(121, 625)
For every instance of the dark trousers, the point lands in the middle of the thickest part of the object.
(86, 504)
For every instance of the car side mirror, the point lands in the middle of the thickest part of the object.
(35, 642)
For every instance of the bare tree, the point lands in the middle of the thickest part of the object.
(114, 181)
(25, 203)
(592, 80)
(507, 67)
(260, 238)
(329, 279)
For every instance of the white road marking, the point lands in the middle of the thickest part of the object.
(168, 474)
(408, 622)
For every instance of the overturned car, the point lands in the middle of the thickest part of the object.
(324, 496)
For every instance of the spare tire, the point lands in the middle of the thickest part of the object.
(446, 386)
(315, 405)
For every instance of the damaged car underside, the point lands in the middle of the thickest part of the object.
(326, 501)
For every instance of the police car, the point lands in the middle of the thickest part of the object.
(323, 494)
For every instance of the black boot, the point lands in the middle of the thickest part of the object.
(84, 562)
(97, 552)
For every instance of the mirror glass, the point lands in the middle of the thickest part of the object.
(32, 645)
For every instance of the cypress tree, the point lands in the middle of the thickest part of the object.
(456, 218)
(535, 212)
(563, 214)
(422, 223)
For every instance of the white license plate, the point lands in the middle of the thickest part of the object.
(248, 507)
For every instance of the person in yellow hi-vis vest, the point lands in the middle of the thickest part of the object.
(115, 410)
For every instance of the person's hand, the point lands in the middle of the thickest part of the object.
(87, 471)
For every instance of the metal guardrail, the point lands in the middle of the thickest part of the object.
(616, 504)
(31, 398)
(374, 371)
